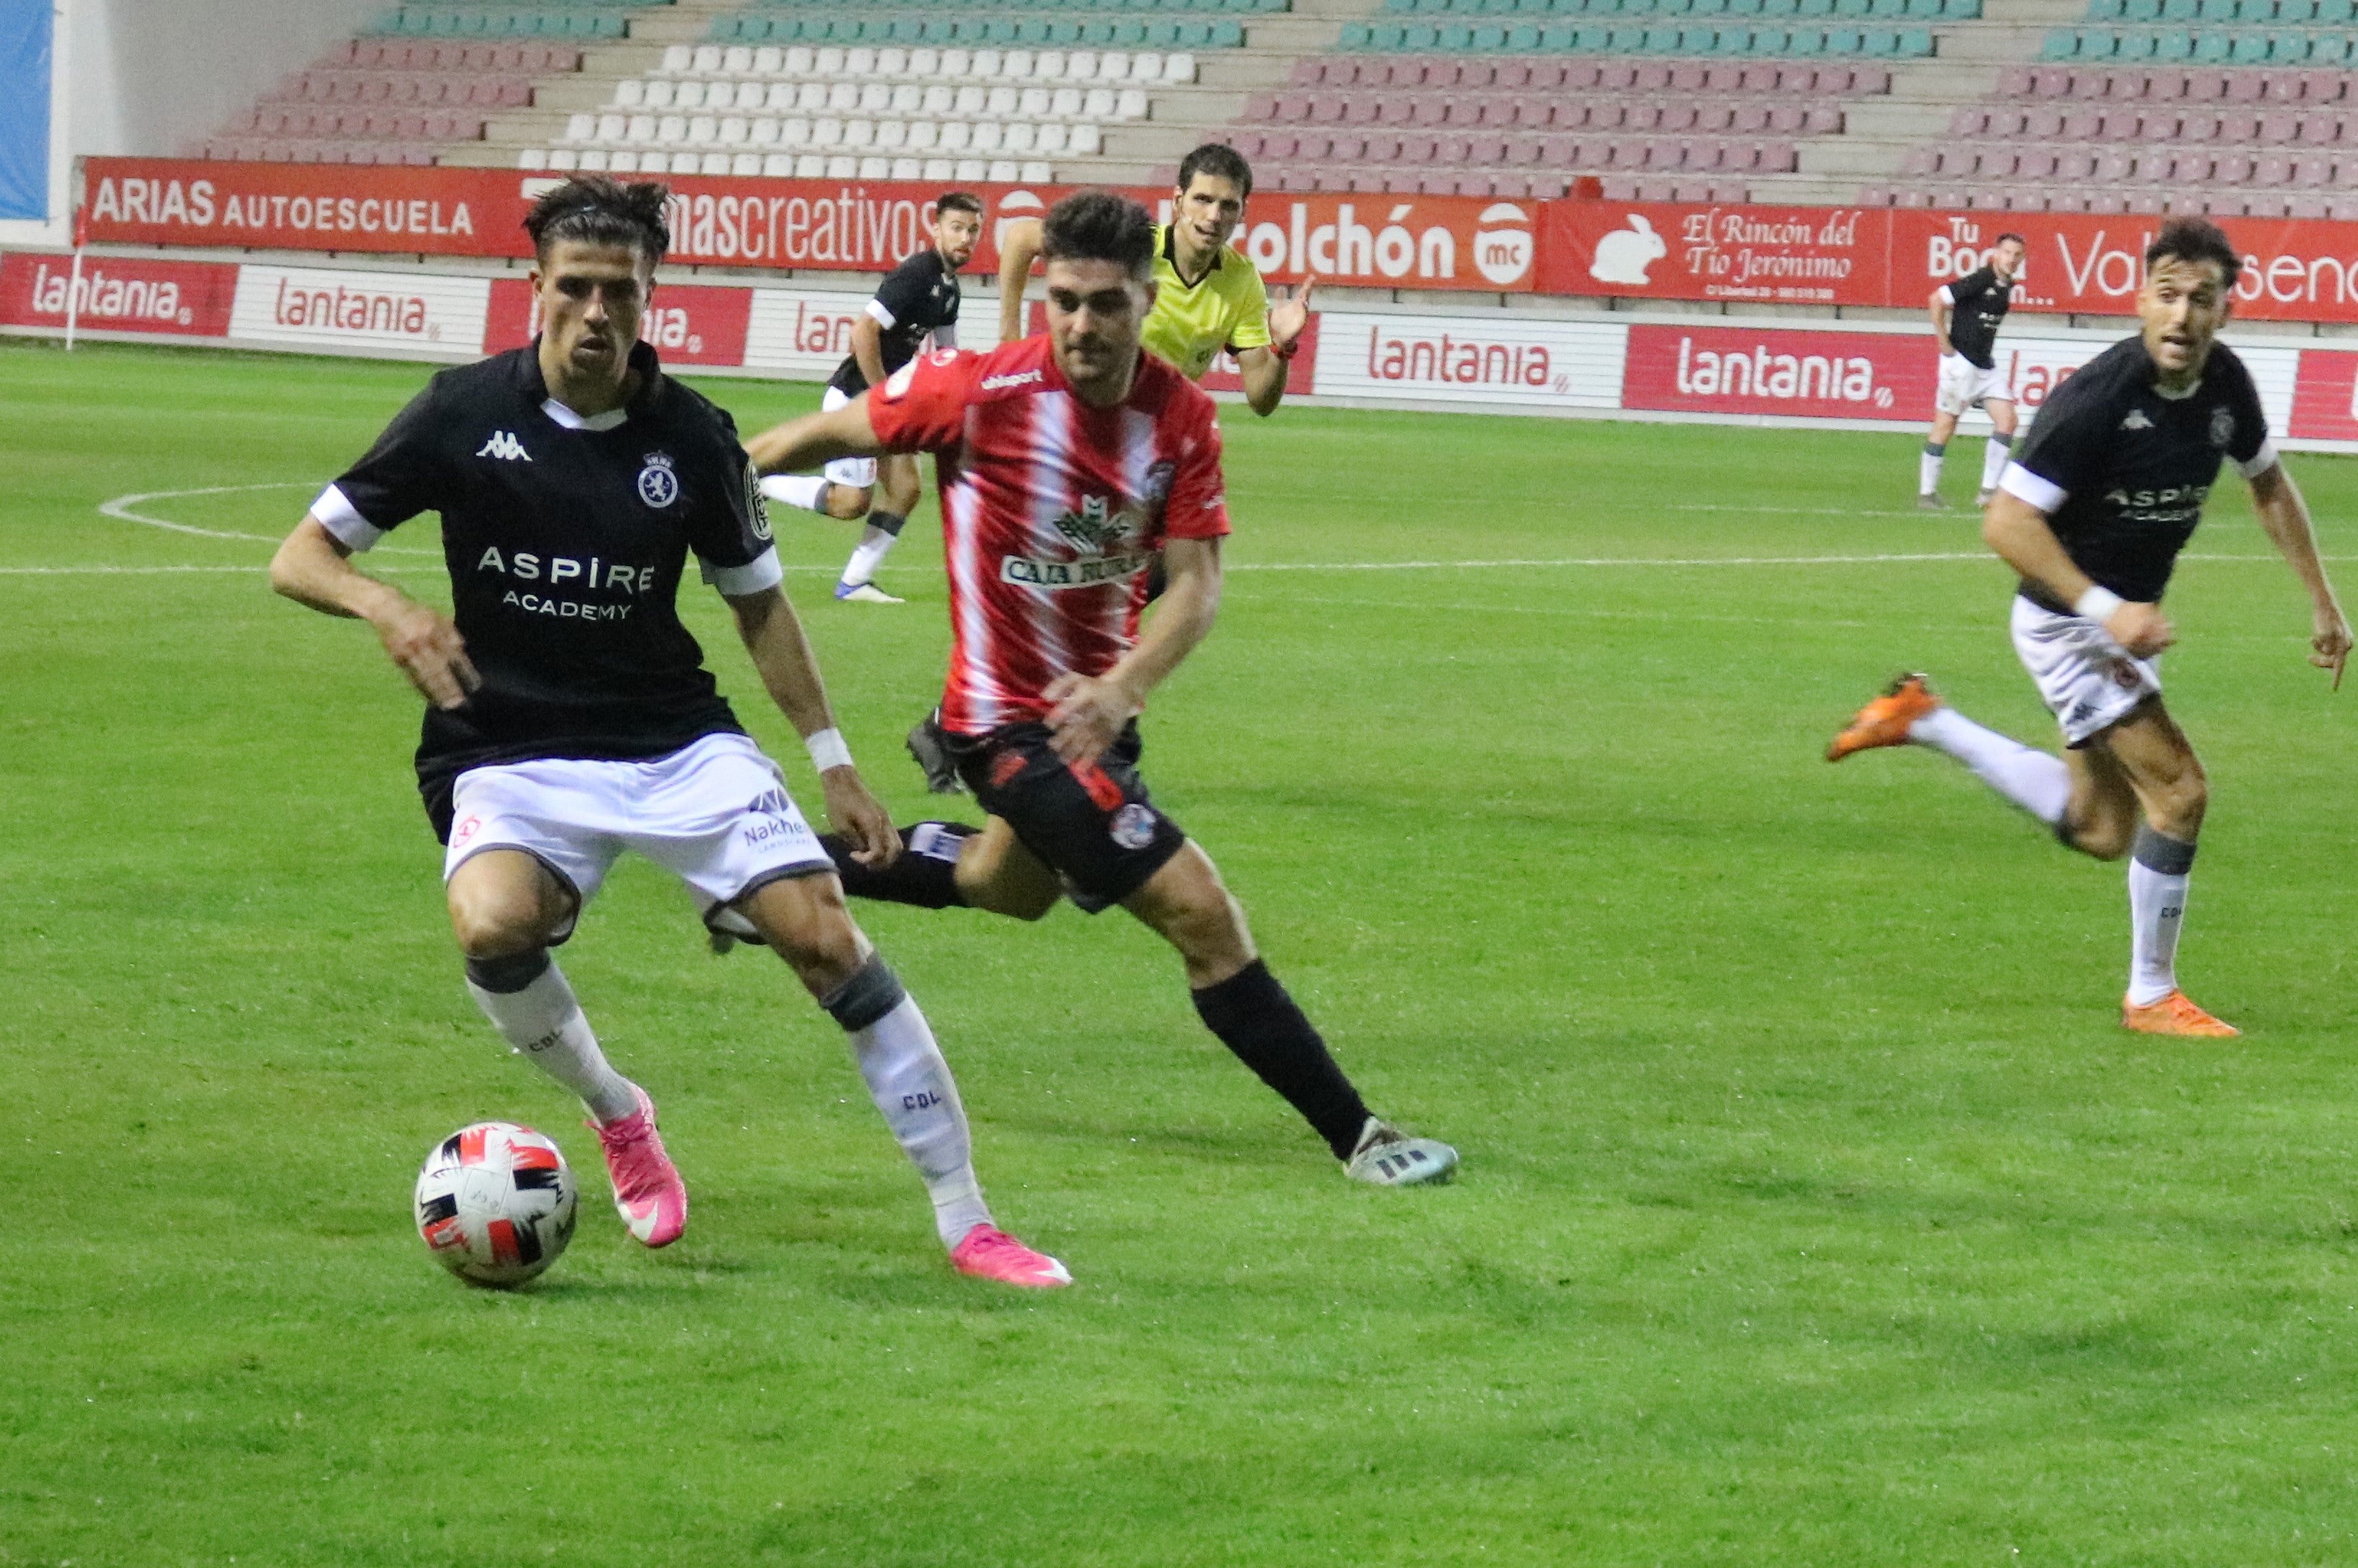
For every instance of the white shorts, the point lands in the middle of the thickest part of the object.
(1964, 384)
(2085, 678)
(715, 813)
(860, 473)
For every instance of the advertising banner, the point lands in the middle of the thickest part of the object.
(119, 293)
(2325, 396)
(402, 312)
(305, 207)
(1780, 371)
(1771, 255)
(1496, 358)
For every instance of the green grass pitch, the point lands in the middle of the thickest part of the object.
(1814, 1209)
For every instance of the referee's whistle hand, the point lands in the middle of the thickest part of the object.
(430, 651)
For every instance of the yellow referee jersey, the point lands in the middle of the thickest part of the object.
(1226, 308)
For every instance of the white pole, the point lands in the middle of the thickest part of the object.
(73, 300)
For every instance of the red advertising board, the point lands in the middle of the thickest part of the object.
(1770, 256)
(1774, 370)
(687, 323)
(1420, 241)
(119, 293)
(2325, 396)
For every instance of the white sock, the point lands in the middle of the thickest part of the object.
(873, 547)
(544, 1022)
(1928, 469)
(1995, 453)
(803, 490)
(2033, 779)
(2159, 871)
(911, 1086)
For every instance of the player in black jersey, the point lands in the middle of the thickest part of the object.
(1966, 315)
(917, 300)
(2093, 515)
(571, 718)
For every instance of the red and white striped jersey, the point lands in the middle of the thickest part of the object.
(1052, 512)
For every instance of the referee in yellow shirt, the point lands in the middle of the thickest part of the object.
(1207, 296)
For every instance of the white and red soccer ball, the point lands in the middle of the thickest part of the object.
(496, 1203)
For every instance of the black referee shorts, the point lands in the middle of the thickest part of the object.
(1092, 823)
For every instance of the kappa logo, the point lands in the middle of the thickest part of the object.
(505, 447)
(2136, 421)
(658, 486)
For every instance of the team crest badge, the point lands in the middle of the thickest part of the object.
(1133, 827)
(2222, 427)
(658, 486)
(1158, 483)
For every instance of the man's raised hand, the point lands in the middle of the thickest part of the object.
(427, 645)
(1287, 320)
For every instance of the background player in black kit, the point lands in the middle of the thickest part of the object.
(571, 716)
(2093, 515)
(1966, 315)
(917, 300)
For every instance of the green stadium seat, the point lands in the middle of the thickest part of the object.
(2174, 48)
(2249, 49)
(2334, 13)
(1815, 9)
(1489, 36)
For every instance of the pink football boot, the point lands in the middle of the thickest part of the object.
(648, 1193)
(989, 1253)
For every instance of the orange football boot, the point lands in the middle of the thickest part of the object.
(1885, 721)
(2175, 1014)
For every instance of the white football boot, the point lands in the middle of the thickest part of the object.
(1386, 1157)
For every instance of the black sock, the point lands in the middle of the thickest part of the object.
(926, 875)
(888, 522)
(1254, 1018)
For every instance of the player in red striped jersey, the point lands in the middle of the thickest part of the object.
(1066, 465)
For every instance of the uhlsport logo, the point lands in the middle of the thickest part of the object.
(505, 447)
(658, 486)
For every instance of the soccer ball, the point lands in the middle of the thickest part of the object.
(496, 1203)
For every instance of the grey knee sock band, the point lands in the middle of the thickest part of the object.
(2002, 440)
(2159, 852)
(866, 997)
(888, 522)
(505, 976)
(1932, 451)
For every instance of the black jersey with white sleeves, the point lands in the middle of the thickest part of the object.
(2122, 469)
(918, 298)
(1977, 307)
(566, 538)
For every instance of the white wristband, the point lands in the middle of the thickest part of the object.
(827, 750)
(2097, 604)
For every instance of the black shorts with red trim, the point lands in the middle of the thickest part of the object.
(1092, 823)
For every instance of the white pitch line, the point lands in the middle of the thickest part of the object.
(121, 507)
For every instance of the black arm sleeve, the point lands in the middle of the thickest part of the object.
(907, 293)
(403, 475)
(2251, 419)
(728, 524)
(2069, 438)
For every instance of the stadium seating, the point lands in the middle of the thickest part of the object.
(977, 32)
(1665, 35)
(861, 112)
(587, 21)
(2271, 143)
(388, 100)
(1528, 126)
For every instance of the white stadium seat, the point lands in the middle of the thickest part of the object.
(973, 101)
(843, 166)
(675, 59)
(769, 59)
(641, 130)
(532, 157)
(1017, 137)
(925, 63)
(907, 168)
(613, 129)
(987, 64)
(908, 98)
(1066, 105)
(708, 60)
(703, 130)
(925, 135)
(659, 94)
(1049, 139)
(562, 158)
(1034, 104)
(1084, 142)
(810, 165)
(742, 164)
(1004, 171)
(957, 63)
(843, 97)
(763, 133)
(860, 62)
(891, 62)
(794, 132)
(712, 163)
(689, 95)
(779, 166)
(1003, 102)
(734, 132)
(779, 99)
(579, 128)
(892, 134)
(970, 169)
(938, 101)
(957, 136)
(1051, 65)
(875, 98)
(1179, 68)
(1035, 174)
(830, 62)
(988, 136)
(800, 61)
(940, 169)
(630, 93)
(810, 98)
(1146, 66)
(1132, 105)
(623, 162)
(672, 130)
(875, 168)
(1019, 65)
(736, 61)
(827, 132)
(1113, 66)
(1098, 104)
(859, 133)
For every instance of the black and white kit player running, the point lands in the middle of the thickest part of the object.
(1966, 315)
(2093, 515)
(571, 718)
(917, 300)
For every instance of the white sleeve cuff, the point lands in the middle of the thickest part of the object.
(1947, 296)
(337, 515)
(880, 315)
(2262, 460)
(761, 573)
(2043, 493)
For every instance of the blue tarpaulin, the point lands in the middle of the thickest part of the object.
(24, 108)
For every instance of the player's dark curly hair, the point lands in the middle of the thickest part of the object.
(2196, 239)
(958, 201)
(1098, 226)
(597, 210)
(1220, 160)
